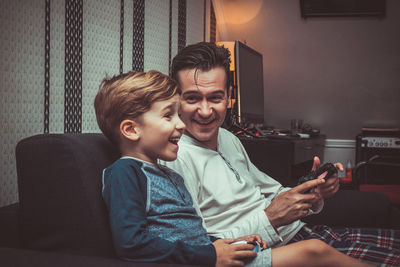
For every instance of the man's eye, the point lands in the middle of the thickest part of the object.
(191, 99)
(216, 98)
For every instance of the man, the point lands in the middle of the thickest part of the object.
(232, 195)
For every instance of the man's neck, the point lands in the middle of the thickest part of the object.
(210, 144)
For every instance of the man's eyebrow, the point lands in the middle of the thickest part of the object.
(190, 92)
(197, 92)
(218, 92)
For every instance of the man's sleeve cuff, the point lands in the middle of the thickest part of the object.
(272, 235)
(317, 208)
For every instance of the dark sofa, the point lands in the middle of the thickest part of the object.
(61, 218)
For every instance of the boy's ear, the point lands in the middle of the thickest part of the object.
(130, 130)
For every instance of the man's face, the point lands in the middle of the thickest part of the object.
(203, 103)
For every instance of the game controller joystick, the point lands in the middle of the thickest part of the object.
(256, 245)
(327, 167)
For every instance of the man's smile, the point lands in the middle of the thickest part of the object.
(204, 122)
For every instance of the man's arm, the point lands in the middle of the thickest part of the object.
(296, 203)
(287, 204)
(257, 223)
(293, 204)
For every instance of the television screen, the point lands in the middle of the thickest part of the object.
(250, 84)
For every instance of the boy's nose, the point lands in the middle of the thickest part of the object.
(180, 125)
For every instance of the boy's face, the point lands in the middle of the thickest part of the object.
(160, 129)
(203, 103)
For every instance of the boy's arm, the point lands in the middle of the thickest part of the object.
(124, 192)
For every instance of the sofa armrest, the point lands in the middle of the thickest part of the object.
(9, 226)
(59, 186)
(348, 208)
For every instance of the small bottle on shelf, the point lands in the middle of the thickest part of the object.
(349, 173)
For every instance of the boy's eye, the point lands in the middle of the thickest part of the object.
(168, 115)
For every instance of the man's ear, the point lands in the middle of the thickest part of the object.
(229, 96)
(130, 130)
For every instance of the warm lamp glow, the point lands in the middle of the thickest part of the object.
(240, 11)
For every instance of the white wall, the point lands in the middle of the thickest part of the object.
(336, 73)
(343, 151)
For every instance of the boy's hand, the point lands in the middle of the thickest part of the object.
(232, 255)
(253, 238)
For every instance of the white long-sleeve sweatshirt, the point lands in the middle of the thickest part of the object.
(229, 192)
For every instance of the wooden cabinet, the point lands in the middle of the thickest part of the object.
(284, 159)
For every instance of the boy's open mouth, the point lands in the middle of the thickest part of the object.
(174, 140)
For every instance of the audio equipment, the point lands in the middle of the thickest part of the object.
(381, 149)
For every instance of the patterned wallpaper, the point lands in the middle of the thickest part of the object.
(22, 95)
(156, 35)
(22, 83)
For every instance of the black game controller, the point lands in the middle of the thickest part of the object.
(327, 167)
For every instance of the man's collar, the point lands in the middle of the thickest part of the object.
(190, 140)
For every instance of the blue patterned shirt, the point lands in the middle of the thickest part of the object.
(152, 216)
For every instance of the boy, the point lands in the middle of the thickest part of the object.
(151, 213)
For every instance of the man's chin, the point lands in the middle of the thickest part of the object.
(202, 136)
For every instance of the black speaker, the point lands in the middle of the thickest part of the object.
(335, 8)
(383, 153)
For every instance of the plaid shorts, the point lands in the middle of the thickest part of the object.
(377, 246)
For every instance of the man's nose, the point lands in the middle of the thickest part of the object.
(205, 109)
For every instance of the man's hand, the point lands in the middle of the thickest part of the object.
(292, 204)
(253, 238)
(232, 255)
(331, 186)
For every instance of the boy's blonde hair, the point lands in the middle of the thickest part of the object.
(128, 96)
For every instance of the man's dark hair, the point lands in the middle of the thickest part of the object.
(202, 56)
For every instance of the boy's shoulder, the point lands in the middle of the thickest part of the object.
(124, 167)
(125, 163)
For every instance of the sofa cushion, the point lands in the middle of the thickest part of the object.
(59, 183)
(8, 226)
(392, 191)
(23, 258)
(349, 208)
